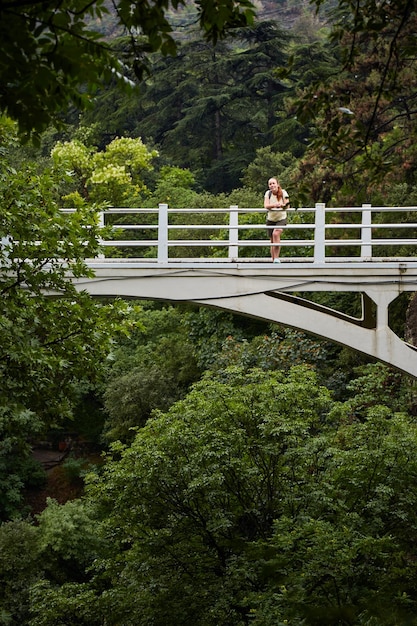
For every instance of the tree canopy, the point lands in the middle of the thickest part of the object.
(52, 336)
(54, 55)
(255, 500)
(363, 111)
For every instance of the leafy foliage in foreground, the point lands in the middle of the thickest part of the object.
(257, 499)
(48, 52)
(52, 336)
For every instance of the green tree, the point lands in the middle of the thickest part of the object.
(52, 336)
(210, 329)
(199, 483)
(199, 107)
(344, 555)
(174, 186)
(255, 500)
(363, 113)
(18, 427)
(228, 92)
(113, 175)
(151, 370)
(56, 551)
(67, 540)
(53, 56)
(19, 569)
(269, 163)
(376, 384)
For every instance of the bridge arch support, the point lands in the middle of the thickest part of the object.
(270, 294)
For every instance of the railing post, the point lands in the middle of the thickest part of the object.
(101, 224)
(163, 233)
(233, 232)
(366, 233)
(320, 233)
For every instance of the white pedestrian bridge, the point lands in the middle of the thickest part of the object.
(220, 258)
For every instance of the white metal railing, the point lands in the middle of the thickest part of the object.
(345, 234)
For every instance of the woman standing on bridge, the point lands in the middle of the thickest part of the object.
(276, 200)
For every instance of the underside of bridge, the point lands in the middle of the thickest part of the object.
(378, 340)
(271, 296)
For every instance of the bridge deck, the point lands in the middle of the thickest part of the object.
(381, 264)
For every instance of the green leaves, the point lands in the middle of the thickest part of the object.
(111, 176)
(46, 55)
(150, 370)
(216, 18)
(362, 151)
(343, 553)
(255, 498)
(199, 484)
(51, 336)
(54, 57)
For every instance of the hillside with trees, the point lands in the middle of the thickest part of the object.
(219, 471)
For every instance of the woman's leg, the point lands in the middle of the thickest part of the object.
(275, 241)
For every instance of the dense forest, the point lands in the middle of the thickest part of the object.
(170, 465)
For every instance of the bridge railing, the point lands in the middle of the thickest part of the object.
(316, 234)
